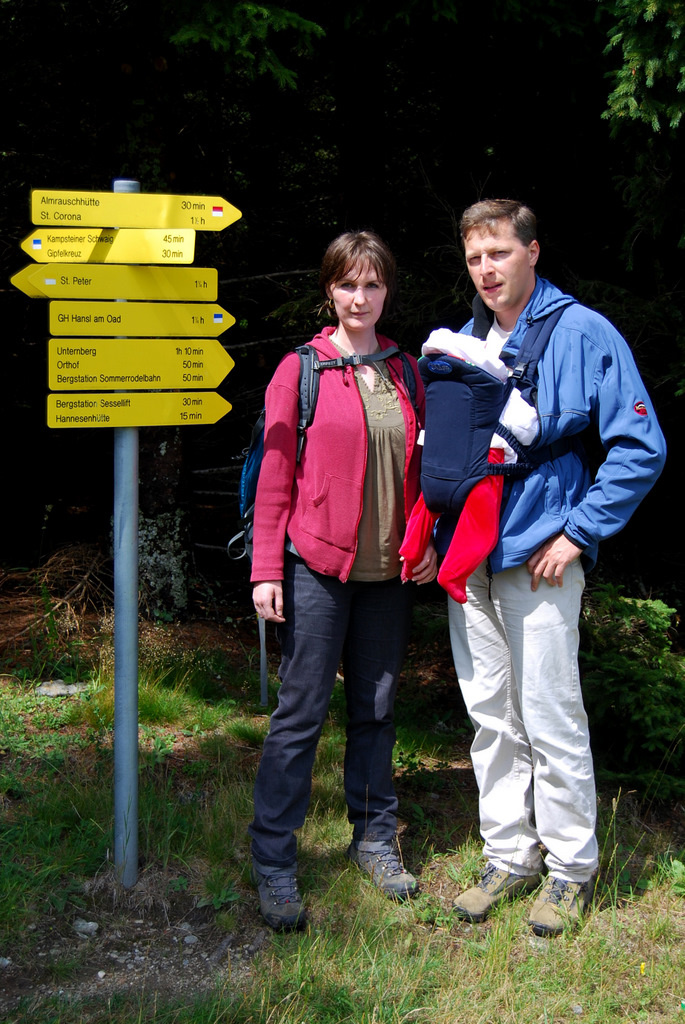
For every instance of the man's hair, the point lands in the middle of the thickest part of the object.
(356, 249)
(484, 216)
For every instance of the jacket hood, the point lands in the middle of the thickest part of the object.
(545, 299)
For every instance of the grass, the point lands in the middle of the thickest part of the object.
(362, 959)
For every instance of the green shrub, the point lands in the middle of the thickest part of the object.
(634, 691)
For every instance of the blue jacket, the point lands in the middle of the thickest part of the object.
(587, 375)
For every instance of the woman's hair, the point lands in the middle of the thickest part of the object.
(356, 249)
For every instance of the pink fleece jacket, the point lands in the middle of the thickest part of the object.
(318, 502)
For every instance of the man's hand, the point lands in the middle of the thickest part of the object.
(268, 600)
(551, 559)
(427, 569)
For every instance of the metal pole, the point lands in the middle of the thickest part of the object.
(126, 641)
(263, 664)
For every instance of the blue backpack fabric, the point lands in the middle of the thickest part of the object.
(463, 407)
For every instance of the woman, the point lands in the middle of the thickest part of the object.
(326, 569)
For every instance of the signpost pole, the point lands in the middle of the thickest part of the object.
(126, 641)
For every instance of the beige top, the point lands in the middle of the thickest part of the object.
(381, 528)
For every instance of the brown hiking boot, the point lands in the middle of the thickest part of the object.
(560, 905)
(495, 885)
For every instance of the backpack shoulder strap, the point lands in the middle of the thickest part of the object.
(309, 391)
(534, 343)
(409, 379)
(310, 368)
(523, 376)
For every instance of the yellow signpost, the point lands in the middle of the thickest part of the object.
(111, 245)
(139, 319)
(136, 363)
(64, 281)
(131, 210)
(128, 409)
(165, 338)
(117, 348)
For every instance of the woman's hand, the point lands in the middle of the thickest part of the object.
(427, 569)
(268, 600)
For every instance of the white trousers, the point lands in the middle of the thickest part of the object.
(516, 657)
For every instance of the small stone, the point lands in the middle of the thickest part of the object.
(101, 975)
(190, 940)
(577, 1010)
(58, 688)
(82, 927)
(5, 961)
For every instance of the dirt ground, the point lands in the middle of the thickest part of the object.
(151, 939)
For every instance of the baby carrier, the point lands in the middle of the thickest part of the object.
(463, 407)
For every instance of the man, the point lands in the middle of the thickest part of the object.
(515, 640)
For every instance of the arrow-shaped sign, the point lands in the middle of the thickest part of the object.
(136, 363)
(64, 281)
(130, 210)
(139, 319)
(157, 409)
(111, 245)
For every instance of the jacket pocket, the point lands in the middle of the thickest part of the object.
(332, 513)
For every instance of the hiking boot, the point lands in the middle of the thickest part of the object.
(495, 885)
(280, 902)
(559, 905)
(380, 858)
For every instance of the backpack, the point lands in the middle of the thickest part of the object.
(311, 366)
(463, 406)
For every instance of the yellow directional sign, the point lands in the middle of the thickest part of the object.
(131, 210)
(63, 281)
(111, 245)
(24, 285)
(139, 319)
(136, 363)
(157, 409)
